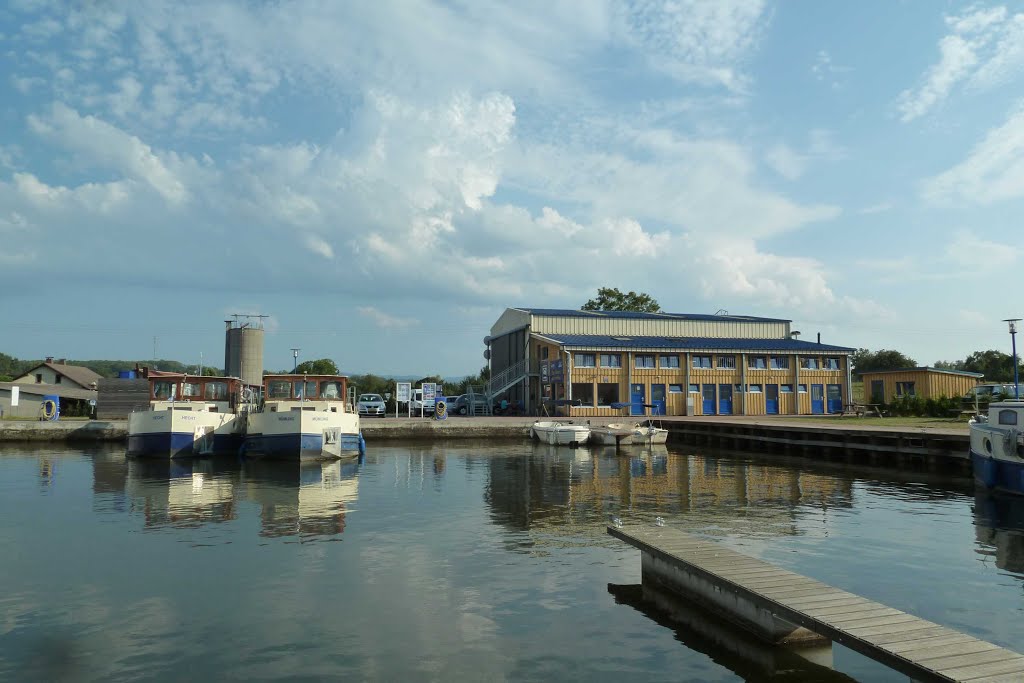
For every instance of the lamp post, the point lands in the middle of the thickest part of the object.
(1012, 322)
(295, 358)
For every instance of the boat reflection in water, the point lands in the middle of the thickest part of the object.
(999, 528)
(304, 498)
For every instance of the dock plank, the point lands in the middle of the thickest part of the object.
(921, 649)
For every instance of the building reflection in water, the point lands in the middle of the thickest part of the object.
(999, 528)
(558, 484)
(303, 499)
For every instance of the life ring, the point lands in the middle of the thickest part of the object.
(440, 409)
(49, 409)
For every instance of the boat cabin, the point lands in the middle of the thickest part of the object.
(1007, 414)
(304, 388)
(177, 388)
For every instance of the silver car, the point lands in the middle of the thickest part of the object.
(371, 405)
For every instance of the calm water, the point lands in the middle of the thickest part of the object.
(459, 562)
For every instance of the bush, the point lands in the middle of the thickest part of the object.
(915, 406)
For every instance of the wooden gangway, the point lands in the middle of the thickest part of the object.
(923, 650)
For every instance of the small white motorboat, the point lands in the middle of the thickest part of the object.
(612, 435)
(560, 433)
(647, 434)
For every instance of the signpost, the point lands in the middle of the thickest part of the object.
(428, 389)
(403, 394)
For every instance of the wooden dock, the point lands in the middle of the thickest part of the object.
(921, 649)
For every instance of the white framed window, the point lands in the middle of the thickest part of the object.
(831, 363)
(757, 362)
(675, 388)
(668, 361)
(694, 388)
(643, 360)
(801, 388)
(726, 362)
(785, 388)
(810, 363)
(754, 388)
(779, 363)
(611, 360)
(584, 360)
(702, 361)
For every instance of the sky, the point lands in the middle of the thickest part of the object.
(383, 179)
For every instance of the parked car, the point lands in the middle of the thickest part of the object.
(990, 392)
(371, 405)
(458, 405)
(417, 403)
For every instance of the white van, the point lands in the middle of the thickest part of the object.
(418, 402)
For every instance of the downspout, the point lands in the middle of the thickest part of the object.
(526, 390)
(686, 396)
(629, 381)
(796, 383)
(743, 379)
(567, 378)
(849, 382)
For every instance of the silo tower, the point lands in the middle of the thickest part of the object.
(243, 348)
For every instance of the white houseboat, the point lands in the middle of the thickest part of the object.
(997, 447)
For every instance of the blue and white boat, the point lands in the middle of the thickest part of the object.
(188, 416)
(997, 447)
(303, 417)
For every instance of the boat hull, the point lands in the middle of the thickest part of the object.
(558, 434)
(611, 437)
(997, 473)
(181, 434)
(303, 436)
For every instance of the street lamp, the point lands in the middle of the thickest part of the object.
(1013, 341)
(295, 357)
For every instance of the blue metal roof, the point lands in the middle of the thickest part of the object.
(637, 315)
(725, 344)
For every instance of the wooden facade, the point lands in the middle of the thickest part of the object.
(926, 382)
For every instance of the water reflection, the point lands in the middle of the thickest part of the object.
(295, 499)
(555, 482)
(999, 529)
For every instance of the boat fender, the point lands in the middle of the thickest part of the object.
(362, 444)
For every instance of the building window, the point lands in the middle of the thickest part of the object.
(757, 362)
(831, 363)
(754, 388)
(544, 352)
(675, 388)
(57, 379)
(583, 394)
(737, 388)
(644, 360)
(801, 388)
(39, 378)
(810, 363)
(779, 363)
(607, 394)
(786, 388)
(694, 388)
(668, 361)
(702, 361)
(726, 362)
(904, 388)
(611, 360)
(584, 360)
(1007, 417)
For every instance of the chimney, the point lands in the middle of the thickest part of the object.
(49, 359)
(819, 337)
(63, 361)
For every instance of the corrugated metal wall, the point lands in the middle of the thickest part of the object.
(510, 320)
(541, 324)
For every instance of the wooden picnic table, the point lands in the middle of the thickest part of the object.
(862, 409)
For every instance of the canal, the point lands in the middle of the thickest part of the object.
(461, 561)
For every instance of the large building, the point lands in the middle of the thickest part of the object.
(607, 363)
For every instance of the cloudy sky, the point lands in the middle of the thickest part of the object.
(383, 179)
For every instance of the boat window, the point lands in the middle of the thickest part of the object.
(279, 388)
(1007, 417)
(162, 390)
(190, 389)
(305, 389)
(330, 389)
(216, 391)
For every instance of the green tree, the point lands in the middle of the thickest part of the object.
(996, 366)
(611, 299)
(949, 365)
(322, 366)
(865, 360)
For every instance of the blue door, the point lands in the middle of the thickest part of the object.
(708, 398)
(834, 396)
(636, 399)
(658, 399)
(725, 399)
(817, 399)
(771, 399)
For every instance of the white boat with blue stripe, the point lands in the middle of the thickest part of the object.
(188, 416)
(997, 447)
(304, 417)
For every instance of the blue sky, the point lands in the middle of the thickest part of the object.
(384, 179)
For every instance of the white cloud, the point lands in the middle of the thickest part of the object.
(992, 172)
(880, 207)
(968, 250)
(385, 321)
(786, 162)
(984, 49)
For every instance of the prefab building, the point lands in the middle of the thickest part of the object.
(607, 363)
(883, 386)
